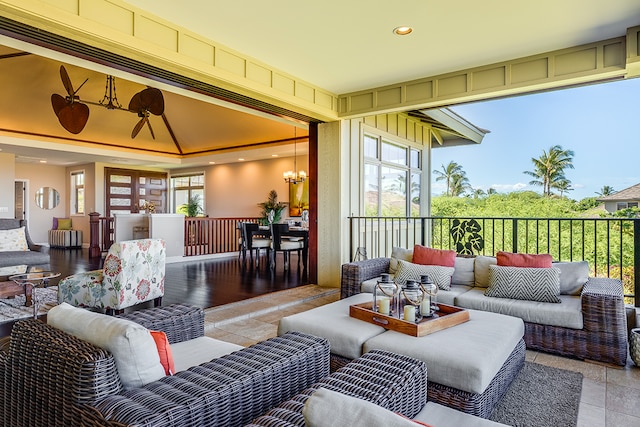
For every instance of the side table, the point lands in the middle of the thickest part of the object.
(30, 281)
(634, 345)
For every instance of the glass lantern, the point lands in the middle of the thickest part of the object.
(385, 296)
(429, 304)
(411, 297)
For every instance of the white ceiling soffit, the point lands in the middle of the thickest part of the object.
(346, 46)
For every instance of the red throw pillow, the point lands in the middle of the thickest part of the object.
(164, 351)
(508, 259)
(429, 256)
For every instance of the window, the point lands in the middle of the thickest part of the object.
(392, 176)
(626, 205)
(77, 193)
(184, 188)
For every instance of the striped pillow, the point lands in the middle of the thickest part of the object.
(440, 275)
(524, 283)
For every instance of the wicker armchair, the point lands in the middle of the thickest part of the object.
(51, 378)
(603, 337)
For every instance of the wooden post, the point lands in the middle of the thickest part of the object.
(94, 235)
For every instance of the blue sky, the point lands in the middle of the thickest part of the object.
(600, 123)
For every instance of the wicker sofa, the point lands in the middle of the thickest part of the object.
(51, 378)
(389, 381)
(36, 255)
(603, 336)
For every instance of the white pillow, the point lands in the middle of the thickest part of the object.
(481, 269)
(327, 408)
(396, 254)
(463, 273)
(573, 276)
(131, 344)
(13, 240)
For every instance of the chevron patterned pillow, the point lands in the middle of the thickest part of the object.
(524, 283)
(440, 275)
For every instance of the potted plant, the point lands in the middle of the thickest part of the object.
(192, 208)
(271, 204)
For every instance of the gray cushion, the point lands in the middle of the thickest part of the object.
(346, 334)
(466, 356)
(531, 284)
(481, 269)
(463, 273)
(396, 254)
(440, 275)
(441, 416)
(199, 350)
(573, 276)
(449, 297)
(567, 314)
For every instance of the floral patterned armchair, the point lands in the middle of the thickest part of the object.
(133, 273)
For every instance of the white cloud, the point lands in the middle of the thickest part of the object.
(505, 188)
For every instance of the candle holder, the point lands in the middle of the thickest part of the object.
(385, 296)
(429, 304)
(410, 300)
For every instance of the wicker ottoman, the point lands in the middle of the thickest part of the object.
(471, 365)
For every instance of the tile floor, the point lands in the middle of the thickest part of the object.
(610, 396)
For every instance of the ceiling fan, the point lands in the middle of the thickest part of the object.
(73, 113)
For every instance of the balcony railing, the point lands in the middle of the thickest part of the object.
(610, 245)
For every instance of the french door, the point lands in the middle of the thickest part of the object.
(129, 191)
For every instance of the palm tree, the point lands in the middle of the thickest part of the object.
(606, 190)
(491, 191)
(549, 168)
(478, 192)
(563, 186)
(447, 173)
(459, 184)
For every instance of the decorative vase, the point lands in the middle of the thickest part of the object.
(634, 345)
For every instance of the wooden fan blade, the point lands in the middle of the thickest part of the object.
(152, 100)
(73, 117)
(138, 127)
(150, 128)
(58, 103)
(135, 104)
(66, 81)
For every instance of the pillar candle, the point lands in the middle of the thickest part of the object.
(425, 306)
(383, 305)
(409, 313)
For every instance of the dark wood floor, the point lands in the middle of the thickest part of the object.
(201, 283)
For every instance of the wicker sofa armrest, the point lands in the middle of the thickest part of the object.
(228, 391)
(57, 371)
(395, 382)
(354, 273)
(180, 322)
(605, 319)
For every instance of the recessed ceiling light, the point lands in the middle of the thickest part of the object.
(212, 163)
(402, 31)
(43, 161)
(241, 159)
(274, 155)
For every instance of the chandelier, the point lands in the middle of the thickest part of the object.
(294, 176)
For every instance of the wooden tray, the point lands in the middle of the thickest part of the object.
(446, 317)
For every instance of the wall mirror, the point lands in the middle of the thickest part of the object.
(47, 198)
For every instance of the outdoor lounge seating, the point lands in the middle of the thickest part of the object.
(53, 378)
(133, 273)
(383, 383)
(597, 329)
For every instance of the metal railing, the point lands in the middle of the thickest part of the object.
(610, 245)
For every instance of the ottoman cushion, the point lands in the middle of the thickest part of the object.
(465, 356)
(332, 321)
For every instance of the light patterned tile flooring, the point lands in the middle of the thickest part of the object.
(610, 396)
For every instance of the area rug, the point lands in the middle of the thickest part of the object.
(541, 396)
(12, 309)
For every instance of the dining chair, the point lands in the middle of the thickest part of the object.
(251, 230)
(280, 242)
